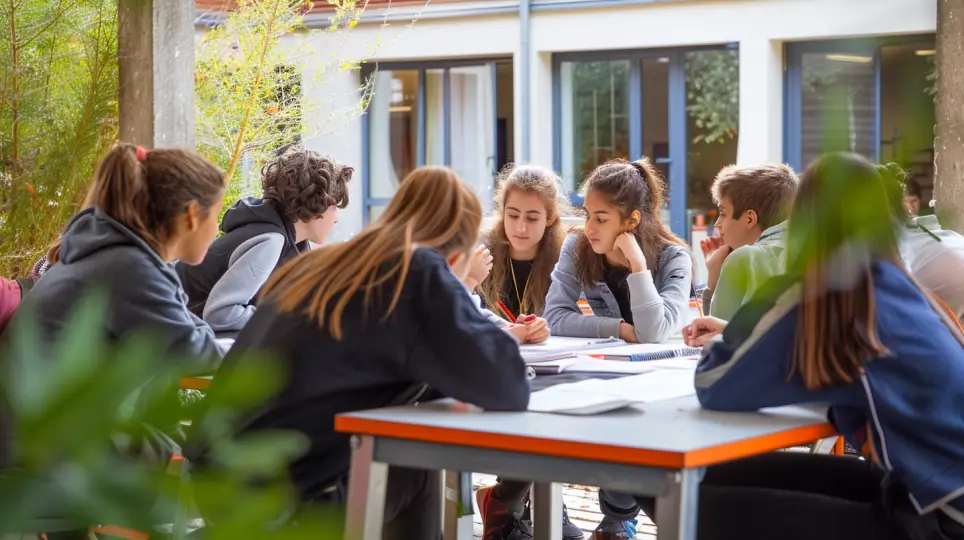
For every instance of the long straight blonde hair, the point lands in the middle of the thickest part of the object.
(546, 184)
(433, 208)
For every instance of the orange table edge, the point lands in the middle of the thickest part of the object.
(581, 450)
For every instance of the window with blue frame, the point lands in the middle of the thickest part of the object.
(678, 107)
(873, 97)
(453, 113)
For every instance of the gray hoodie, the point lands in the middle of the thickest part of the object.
(145, 292)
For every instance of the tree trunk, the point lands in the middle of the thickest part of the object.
(949, 140)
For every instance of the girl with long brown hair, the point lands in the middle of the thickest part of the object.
(846, 327)
(524, 242)
(635, 273)
(375, 321)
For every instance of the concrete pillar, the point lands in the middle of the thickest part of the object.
(949, 143)
(156, 71)
(761, 102)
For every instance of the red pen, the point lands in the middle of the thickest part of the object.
(505, 311)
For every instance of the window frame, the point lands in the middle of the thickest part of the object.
(422, 66)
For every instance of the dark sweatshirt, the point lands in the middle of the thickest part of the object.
(223, 288)
(436, 336)
(145, 292)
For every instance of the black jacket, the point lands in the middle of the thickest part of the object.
(435, 336)
(248, 219)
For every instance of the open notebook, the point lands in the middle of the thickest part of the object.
(556, 348)
(595, 396)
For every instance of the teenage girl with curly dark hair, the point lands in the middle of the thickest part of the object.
(301, 194)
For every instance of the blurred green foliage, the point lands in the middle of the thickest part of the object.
(58, 114)
(92, 421)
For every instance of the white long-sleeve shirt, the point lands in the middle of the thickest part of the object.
(936, 265)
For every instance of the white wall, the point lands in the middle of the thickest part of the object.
(427, 39)
(761, 27)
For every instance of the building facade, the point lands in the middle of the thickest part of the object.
(692, 84)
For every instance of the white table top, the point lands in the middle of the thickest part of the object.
(675, 432)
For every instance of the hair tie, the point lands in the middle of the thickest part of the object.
(141, 153)
(640, 168)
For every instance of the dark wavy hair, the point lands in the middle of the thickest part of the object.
(305, 184)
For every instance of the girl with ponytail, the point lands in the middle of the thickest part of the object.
(145, 209)
(635, 273)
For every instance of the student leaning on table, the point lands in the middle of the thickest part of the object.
(376, 321)
(846, 327)
(635, 273)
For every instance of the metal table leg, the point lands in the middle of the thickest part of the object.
(677, 507)
(547, 511)
(368, 479)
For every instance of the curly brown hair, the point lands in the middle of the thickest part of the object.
(305, 184)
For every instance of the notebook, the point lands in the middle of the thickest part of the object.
(558, 348)
(595, 396)
(644, 352)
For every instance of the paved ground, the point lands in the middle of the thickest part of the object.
(581, 502)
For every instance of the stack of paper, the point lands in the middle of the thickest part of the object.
(595, 396)
(556, 348)
(580, 363)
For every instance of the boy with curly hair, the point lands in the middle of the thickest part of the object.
(301, 194)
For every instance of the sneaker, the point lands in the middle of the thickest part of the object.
(569, 529)
(610, 529)
(498, 522)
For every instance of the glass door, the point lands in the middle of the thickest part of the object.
(623, 108)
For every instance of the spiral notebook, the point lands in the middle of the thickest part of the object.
(645, 352)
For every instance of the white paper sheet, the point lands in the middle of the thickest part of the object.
(594, 395)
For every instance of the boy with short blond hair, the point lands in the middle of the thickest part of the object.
(753, 204)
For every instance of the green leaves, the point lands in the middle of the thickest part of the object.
(95, 422)
(713, 93)
(58, 112)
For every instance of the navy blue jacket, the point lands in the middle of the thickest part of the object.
(905, 412)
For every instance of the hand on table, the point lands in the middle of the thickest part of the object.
(627, 333)
(702, 330)
(529, 329)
